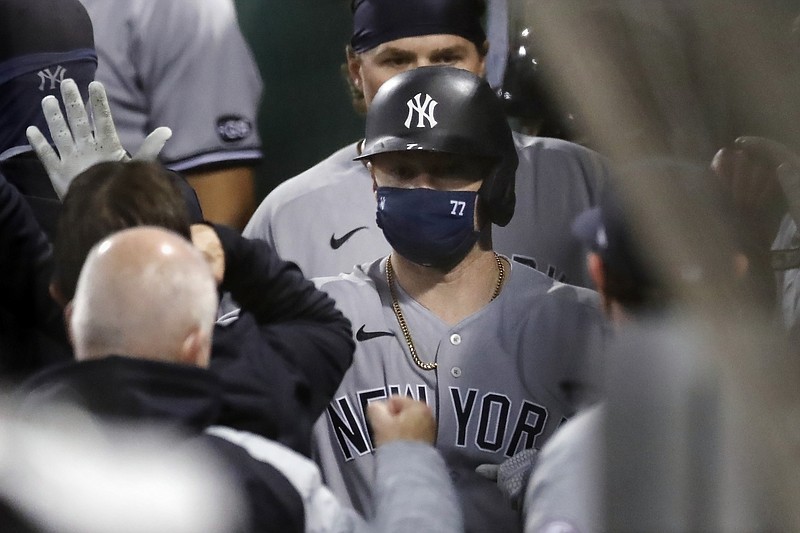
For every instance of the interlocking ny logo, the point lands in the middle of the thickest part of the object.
(424, 111)
(53, 77)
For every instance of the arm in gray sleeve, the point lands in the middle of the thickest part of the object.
(564, 491)
(413, 491)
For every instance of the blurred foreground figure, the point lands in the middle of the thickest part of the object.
(665, 390)
(721, 70)
(65, 472)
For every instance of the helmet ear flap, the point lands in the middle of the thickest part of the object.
(497, 191)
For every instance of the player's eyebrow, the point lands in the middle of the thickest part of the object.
(395, 52)
(456, 49)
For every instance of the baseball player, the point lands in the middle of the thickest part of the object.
(185, 64)
(323, 219)
(496, 348)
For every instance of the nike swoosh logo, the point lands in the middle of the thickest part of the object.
(362, 335)
(337, 243)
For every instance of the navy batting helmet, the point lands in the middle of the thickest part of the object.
(448, 110)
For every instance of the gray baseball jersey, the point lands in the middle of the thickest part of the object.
(504, 381)
(324, 218)
(182, 64)
(564, 491)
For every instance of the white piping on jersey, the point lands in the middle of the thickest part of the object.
(15, 150)
(215, 157)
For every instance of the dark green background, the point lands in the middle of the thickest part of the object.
(305, 111)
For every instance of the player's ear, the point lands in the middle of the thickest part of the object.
(483, 51)
(372, 175)
(68, 323)
(597, 273)
(351, 70)
(195, 349)
(353, 67)
(594, 264)
(56, 294)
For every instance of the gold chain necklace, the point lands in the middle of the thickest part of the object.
(401, 321)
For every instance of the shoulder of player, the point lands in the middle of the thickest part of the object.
(325, 178)
(207, 11)
(585, 425)
(571, 446)
(540, 288)
(528, 146)
(358, 285)
(187, 21)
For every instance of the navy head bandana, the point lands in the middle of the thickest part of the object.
(378, 21)
(25, 80)
(41, 43)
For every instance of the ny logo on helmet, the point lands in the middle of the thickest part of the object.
(424, 111)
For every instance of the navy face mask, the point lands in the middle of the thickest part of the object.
(426, 226)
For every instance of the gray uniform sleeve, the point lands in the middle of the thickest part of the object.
(200, 79)
(564, 490)
(413, 491)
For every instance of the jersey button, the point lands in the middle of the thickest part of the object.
(455, 372)
(455, 339)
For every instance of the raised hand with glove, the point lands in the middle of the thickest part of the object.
(79, 146)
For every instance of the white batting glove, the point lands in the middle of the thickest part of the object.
(78, 146)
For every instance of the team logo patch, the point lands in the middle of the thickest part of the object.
(423, 110)
(233, 128)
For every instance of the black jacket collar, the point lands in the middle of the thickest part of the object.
(128, 388)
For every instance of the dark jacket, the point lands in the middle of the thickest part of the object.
(186, 398)
(26, 173)
(32, 333)
(283, 359)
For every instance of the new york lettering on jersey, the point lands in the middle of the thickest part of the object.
(487, 421)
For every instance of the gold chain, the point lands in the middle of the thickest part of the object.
(401, 321)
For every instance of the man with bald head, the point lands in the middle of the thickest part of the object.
(147, 293)
(140, 324)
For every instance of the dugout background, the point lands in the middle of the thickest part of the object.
(305, 113)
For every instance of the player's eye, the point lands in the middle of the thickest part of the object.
(396, 61)
(448, 58)
(404, 172)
